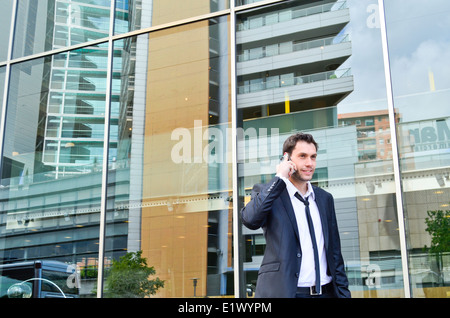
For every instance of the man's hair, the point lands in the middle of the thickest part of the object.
(291, 142)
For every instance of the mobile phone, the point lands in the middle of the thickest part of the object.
(285, 156)
(288, 158)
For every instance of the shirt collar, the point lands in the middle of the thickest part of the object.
(292, 190)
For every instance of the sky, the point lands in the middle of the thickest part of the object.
(419, 52)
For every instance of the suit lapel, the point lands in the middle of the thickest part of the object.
(321, 205)
(290, 211)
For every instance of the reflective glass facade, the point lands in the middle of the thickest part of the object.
(132, 133)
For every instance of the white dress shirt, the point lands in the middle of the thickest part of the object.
(307, 269)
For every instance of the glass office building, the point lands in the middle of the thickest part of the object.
(142, 125)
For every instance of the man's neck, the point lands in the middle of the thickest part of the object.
(302, 186)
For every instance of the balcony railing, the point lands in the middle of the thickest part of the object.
(289, 47)
(287, 15)
(287, 80)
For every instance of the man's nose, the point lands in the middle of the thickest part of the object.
(308, 161)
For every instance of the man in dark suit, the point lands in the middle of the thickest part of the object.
(295, 262)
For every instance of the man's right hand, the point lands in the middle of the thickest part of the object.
(286, 167)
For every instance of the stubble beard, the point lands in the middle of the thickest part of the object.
(296, 176)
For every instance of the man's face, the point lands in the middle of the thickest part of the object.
(304, 156)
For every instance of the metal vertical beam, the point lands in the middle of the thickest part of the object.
(7, 78)
(104, 191)
(395, 155)
(236, 238)
(239, 284)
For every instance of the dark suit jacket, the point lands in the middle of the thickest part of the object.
(270, 208)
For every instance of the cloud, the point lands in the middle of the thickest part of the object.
(412, 71)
